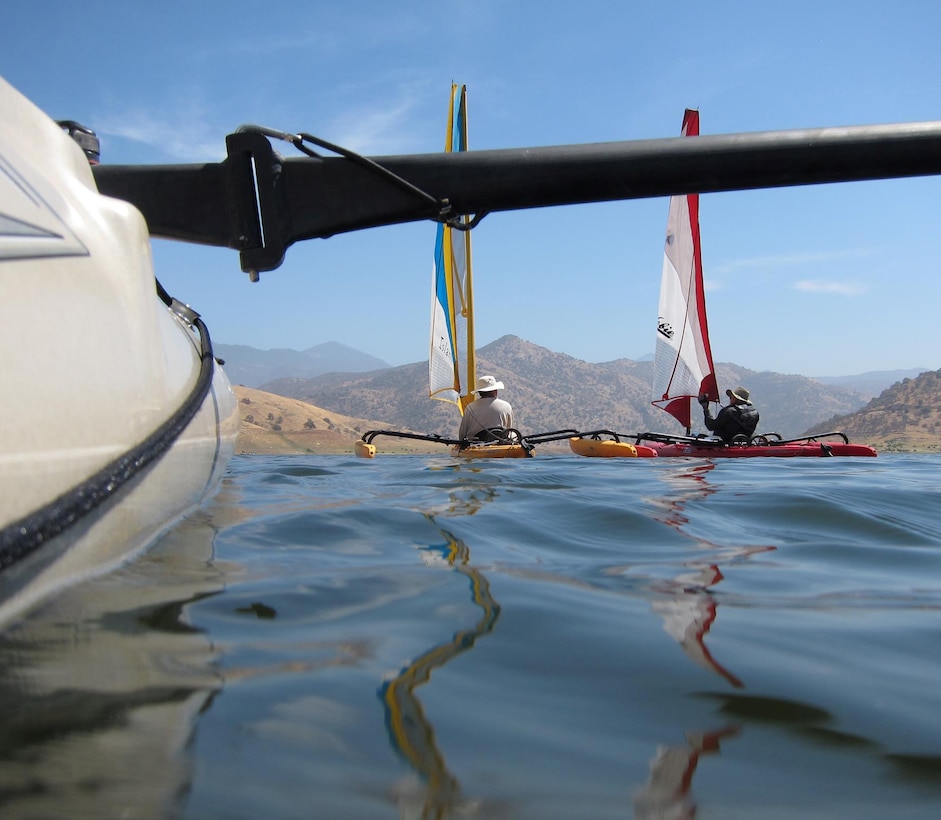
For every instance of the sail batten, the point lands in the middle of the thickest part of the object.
(683, 367)
(451, 364)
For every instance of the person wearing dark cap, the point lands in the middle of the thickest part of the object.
(738, 418)
(487, 412)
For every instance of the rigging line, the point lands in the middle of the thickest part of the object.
(442, 207)
(454, 222)
(23, 537)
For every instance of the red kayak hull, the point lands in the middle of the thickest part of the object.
(815, 449)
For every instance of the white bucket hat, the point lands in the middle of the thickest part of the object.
(487, 383)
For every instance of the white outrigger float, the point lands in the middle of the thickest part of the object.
(118, 420)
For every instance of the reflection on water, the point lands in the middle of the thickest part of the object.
(690, 609)
(685, 603)
(410, 732)
(666, 794)
(101, 688)
(818, 726)
(688, 615)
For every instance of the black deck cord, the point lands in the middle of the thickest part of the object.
(25, 536)
(441, 207)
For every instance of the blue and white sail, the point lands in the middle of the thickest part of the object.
(451, 365)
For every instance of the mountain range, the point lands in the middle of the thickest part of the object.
(904, 418)
(553, 391)
(252, 367)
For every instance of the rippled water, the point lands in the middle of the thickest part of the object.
(412, 637)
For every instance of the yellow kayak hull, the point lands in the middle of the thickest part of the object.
(492, 451)
(607, 448)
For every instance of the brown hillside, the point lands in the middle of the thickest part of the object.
(905, 417)
(277, 425)
(553, 391)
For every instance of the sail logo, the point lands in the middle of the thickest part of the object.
(664, 328)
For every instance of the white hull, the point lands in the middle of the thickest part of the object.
(92, 363)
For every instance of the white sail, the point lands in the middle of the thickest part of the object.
(683, 368)
(451, 365)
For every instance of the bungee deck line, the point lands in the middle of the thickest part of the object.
(23, 537)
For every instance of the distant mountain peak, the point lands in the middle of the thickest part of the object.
(338, 351)
(252, 367)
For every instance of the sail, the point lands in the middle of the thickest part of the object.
(451, 365)
(683, 368)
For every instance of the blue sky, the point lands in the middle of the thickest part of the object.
(818, 280)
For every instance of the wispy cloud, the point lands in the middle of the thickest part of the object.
(320, 39)
(385, 115)
(182, 132)
(259, 46)
(388, 120)
(387, 128)
(823, 286)
(788, 266)
(769, 263)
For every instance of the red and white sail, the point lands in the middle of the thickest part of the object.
(683, 368)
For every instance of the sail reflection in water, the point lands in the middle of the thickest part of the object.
(666, 794)
(689, 611)
(690, 608)
(410, 733)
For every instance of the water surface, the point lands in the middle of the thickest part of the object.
(414, 636)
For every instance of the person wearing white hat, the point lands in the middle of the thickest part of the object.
(739, 417)
(486, 412)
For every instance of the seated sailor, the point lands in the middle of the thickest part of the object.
(486, 412)
(738, 418)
